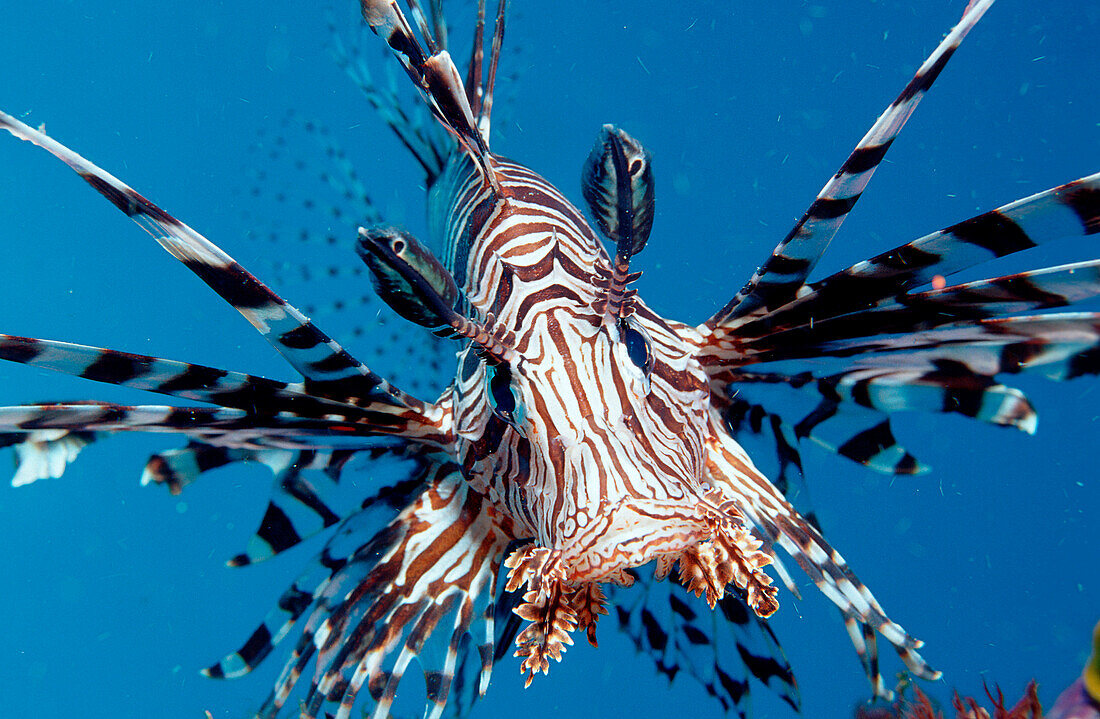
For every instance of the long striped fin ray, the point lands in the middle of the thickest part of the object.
(300, 596)
(784, 273)
(848, 412)
(999, 297)
(906, 384)
(328, 367)
(474, 90)
(479, 89)
(434, 74)
(424, 139)
(728, 465)
(365, 626)
(171, 377)
(1060, 346)
(227, 427)
(951, 369)
(1069, 210)
(484, 120)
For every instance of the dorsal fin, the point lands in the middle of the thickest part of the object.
(477, 55)
(479, 88)
(486, 110)
(435, 74)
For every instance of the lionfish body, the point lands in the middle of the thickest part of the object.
(573, 463)
(585, 443)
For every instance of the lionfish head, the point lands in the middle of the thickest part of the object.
(578, 410)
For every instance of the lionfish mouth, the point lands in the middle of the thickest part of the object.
(631, 534)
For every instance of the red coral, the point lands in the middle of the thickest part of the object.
(967, 707)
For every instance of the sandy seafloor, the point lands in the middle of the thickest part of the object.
(113, 596)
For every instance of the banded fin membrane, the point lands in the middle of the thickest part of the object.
(363, 628)
(721, 649)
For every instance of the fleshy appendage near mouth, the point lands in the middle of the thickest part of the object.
(714, 548)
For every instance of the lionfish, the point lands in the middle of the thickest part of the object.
(586, 444)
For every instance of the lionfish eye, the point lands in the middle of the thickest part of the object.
(637, 345)
(502, 397)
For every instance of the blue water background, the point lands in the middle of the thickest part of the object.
(113, 596)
